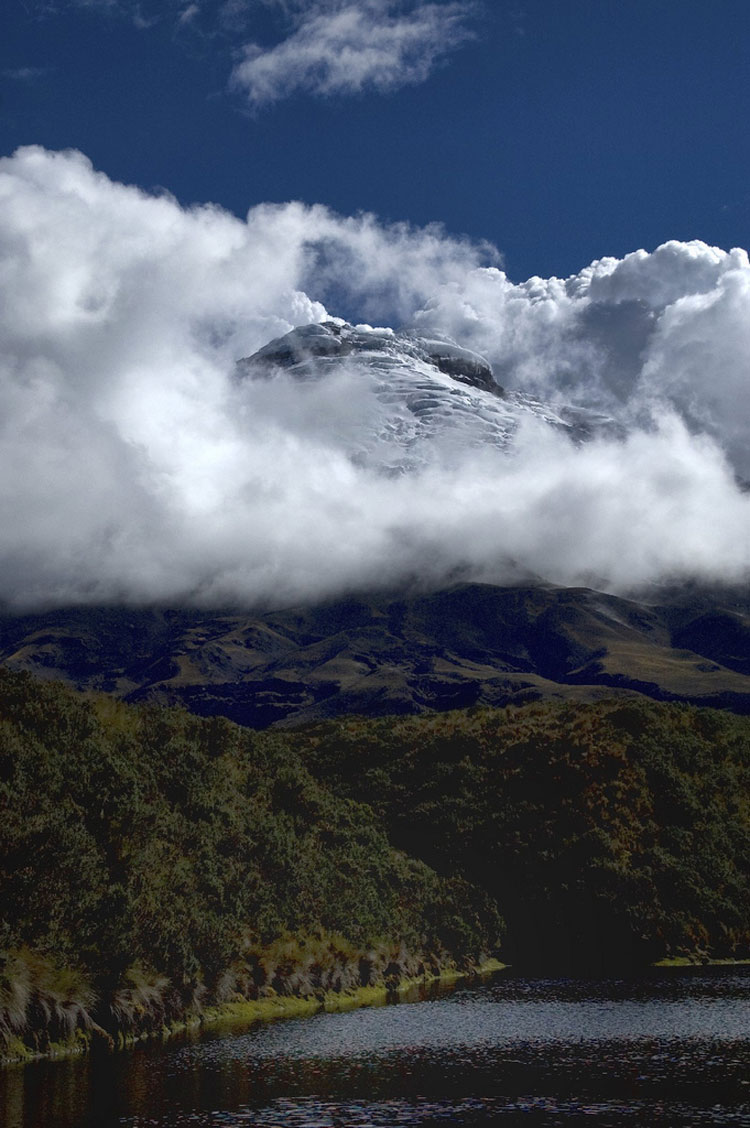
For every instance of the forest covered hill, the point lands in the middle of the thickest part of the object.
(153, 863)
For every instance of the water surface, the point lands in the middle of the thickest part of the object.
(668, 1049)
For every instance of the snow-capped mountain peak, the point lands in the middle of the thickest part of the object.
(422, 394)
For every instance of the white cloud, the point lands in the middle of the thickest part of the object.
(134, 466)
(669, 328)
(348, 48)
(333, 47)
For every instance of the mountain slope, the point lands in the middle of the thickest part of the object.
(473, 643)
(411, 402)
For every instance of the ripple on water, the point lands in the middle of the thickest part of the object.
(529, 1111)
(513, 1012)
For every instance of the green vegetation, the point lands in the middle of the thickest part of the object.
(155, 865)
(610, 835)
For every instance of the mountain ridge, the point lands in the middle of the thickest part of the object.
(394, 654)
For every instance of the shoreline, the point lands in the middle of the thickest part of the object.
(248, 1012)
(689, 961)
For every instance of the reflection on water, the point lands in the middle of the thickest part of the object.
(668, 1050)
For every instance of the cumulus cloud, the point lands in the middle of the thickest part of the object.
(666, 330)
(134, 465)
(337, 47)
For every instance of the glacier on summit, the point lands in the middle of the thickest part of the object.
(424, 395)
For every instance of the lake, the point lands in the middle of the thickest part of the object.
(667, 1049)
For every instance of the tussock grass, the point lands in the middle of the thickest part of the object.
(42, 1004)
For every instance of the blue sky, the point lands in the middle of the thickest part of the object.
(559, 130)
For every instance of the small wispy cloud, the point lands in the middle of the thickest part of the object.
(321, 47)
(24, 74)
(188, 14)
(346, 48)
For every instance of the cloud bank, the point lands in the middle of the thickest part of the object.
(135, 466)
(337, 47)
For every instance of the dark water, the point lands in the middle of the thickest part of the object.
(666, 1050)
